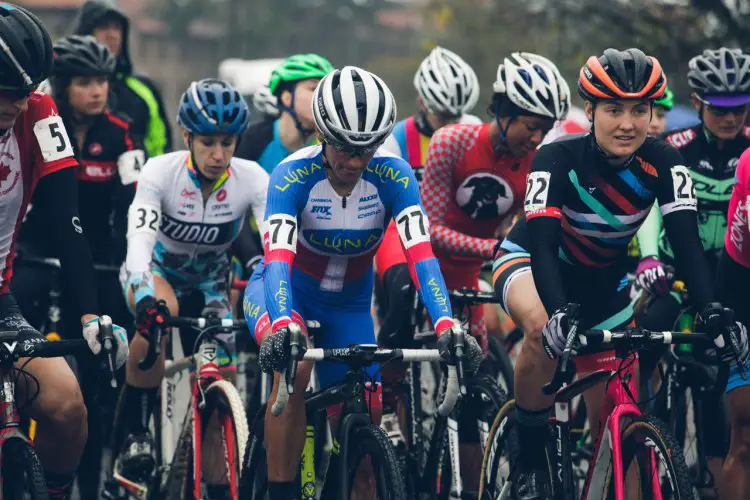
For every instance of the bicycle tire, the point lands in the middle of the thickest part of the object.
(254, 478)
(502, 444)
(650, 434)
(485, 394)
(221, 396)
(501, 365)
(22, 473)
(371, 440)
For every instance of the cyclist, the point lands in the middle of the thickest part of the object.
(188, 208)
(328, 207)
(36, 156)
(658, 123)
(475, 176)
(732, 279)
(109, 164)
(265, 102)
(720, 80)
(292, 83)
(447, 88)
(586, 196)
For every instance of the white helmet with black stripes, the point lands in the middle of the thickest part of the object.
(446, 84)
(352, 107)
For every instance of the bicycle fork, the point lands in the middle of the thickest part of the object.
(560, 469)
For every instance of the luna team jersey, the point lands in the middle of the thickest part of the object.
(319, 245)
(173, 231)
(36, 146)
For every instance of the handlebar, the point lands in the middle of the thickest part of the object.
(467, 295)
(12, 350)
(201, 323)
(631, 339)
(367, 354)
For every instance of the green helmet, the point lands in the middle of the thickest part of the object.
(667, 100)
(299, 67)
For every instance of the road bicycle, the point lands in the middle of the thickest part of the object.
(180, 470)
(628, 441)
(328, 468)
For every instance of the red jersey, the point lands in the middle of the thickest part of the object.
(467, 191)
(36, 146)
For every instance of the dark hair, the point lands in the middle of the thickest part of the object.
(503, 107)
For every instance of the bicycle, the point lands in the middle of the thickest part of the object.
(179, 468)
(625, 433)
(357, 435)
(21, 473)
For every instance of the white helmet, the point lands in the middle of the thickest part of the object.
(722, 71)
(446, 83)
(533, 83)
(265, 102)
(353, 107)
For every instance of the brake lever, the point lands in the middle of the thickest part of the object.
(109, 346)
(459, 349)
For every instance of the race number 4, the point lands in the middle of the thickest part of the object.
(129, 165)
(413, 226)
(52, 138)
(537, 189)
(682, 183)
(282, 232)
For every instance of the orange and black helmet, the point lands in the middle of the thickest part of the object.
(628, 74)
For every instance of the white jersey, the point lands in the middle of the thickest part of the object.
(172, 227)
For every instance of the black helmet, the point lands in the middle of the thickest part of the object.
(25, 49)
(628, 74)
(78, 55)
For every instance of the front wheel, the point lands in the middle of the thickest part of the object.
(22, 473)
(502, 445)
(373, 468)
(653, 462)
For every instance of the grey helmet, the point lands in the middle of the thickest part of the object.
(722, 71)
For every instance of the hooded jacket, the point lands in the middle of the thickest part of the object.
(135, 95)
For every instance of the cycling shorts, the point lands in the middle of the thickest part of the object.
(390, 252)
(339, 327)
(605, 304)
(11, 320)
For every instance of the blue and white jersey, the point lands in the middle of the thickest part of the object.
(323, 243)
(172, 226)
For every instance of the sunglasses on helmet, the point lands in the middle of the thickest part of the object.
(725, 110)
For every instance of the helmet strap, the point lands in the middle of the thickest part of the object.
(304, 133)
(423, 126)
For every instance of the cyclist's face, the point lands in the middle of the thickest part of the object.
(110, 34)
(10, 108)
(620, 127)
(436, 120)
(88, 94)
(303, 93)
(526, 133)
(658, 123)
(345, 167)
(723, 122)
(211, 153)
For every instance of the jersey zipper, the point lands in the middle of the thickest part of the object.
(343, 202)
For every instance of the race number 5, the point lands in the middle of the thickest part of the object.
(682, 183)
(282, 232)
(537, 189)
(413, 226)
(52, 138)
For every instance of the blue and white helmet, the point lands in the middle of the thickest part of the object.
(211, 106)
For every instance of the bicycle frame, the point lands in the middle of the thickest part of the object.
(11, 420)
(616, 410)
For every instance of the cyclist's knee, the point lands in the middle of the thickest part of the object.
(526, 308)
(60, 404)
(164, 291)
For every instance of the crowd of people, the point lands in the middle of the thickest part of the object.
(329, 198)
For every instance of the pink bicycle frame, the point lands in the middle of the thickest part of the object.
(616, 409)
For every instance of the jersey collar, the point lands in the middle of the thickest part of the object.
(195, 177)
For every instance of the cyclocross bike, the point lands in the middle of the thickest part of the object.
(182, 476)
(329, 467)
(21, 473)
(628, 442)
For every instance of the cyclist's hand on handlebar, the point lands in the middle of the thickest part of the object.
(472, 352)
(653, 276)
(555, 332)
(731, 335)
(274, 351)
(149, 313)
(92, 334)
